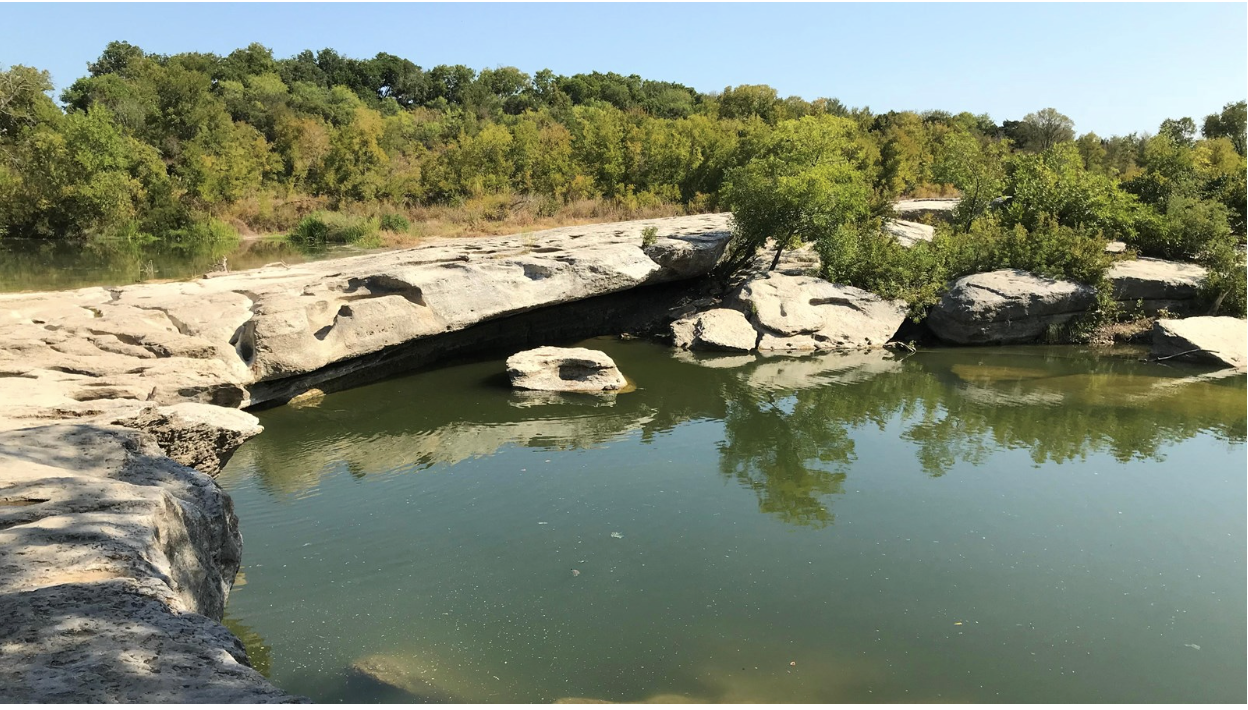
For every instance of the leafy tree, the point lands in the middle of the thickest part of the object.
(1044, 129)
(976, 167)
(82, 176)
(749, 100)
(400, 79)
(1092, 150)
(115, 59)
(1181, 131)
(23, 99)
(1231, 123)
(806, 182)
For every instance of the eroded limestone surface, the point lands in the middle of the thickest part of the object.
(69, 354)
(564, 370)
(114, 562)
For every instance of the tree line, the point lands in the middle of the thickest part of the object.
(195, 146)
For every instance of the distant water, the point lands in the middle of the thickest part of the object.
(34, 265)
(1020, 524)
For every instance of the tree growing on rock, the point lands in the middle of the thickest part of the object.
(807, 180)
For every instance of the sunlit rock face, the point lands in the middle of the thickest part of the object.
(1153, 284)
(909, 233)
(939, 207)
(721, 329)
(1007, 306)
(796, 313)
(1217, 340)
(564, 370)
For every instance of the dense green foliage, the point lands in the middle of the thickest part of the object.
(192, 147)
(1051, 210)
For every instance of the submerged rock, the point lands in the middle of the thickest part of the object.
(1007, 306)
(564, 370)
(1155, 284)
(716, 329)
(1216, 340)
(804, 313)
(307, 398)
(402, 673)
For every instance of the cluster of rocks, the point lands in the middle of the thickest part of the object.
(790, 311)
(117, 549)
(787, 312)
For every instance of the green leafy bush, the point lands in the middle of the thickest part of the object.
(867, 258)
(1054, 185)
(1225, 288)
(205, 231)
(395, 222)
(1186, 229)
(321, 229)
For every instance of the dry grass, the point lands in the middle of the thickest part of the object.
(930, 190)
(1135, 330)
(487, 215)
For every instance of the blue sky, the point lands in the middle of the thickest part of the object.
(1113, 68)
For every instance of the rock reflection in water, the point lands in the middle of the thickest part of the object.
(788, 421)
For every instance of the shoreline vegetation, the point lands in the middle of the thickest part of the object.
(151, 159)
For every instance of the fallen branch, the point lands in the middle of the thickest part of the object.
(1185, 352)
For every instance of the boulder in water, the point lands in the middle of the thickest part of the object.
(716, 329)
(1215, 340)
(797, 313)
(564, 370)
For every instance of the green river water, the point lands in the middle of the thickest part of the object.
(1024, 524)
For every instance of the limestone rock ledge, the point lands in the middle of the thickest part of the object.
(213, 339)
(115, 562)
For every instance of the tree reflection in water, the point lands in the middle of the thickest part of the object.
(793, 444)
(789, 423)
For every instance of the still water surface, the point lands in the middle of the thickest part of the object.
(996, 524)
